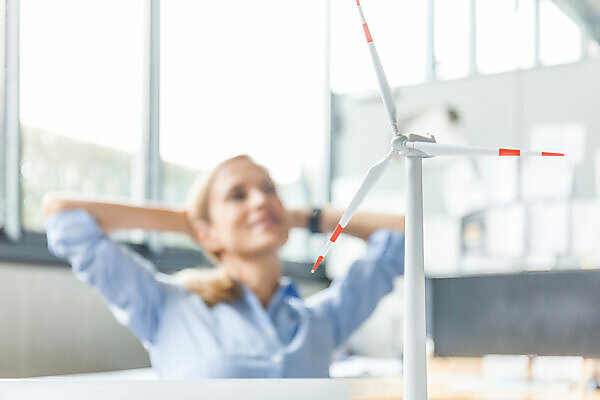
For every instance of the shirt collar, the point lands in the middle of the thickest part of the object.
(287, 288)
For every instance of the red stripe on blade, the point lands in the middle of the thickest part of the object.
(509, 152)
(319, 260)
(358, 3)
(336, 233)
(367, 33)
(545, 153)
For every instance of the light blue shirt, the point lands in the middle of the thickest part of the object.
(186, 339)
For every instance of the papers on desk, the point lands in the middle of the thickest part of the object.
(511, 374)
(543, 368)
(557, 368)
(515, 386)
(504, 367)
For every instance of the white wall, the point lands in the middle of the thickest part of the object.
(52, 324)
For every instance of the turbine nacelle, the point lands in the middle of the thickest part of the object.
(402, 144)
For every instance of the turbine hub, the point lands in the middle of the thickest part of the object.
(399, 144)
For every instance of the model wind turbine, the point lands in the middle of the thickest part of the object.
(414, 147)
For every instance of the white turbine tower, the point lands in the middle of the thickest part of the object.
(414, 147)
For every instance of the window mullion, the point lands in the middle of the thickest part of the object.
(536, 37)
(153, 179)
(473, 38)
(151, 136)
(431, 62)
(10, 124)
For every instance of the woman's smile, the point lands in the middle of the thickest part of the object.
(265, 221)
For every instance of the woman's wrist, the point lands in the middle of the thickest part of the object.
(314, 221)
(298, 218)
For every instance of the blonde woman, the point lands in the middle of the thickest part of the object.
(239, 319)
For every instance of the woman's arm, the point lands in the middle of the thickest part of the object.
(350, 300)
(130, 284)
(116, 216)
(362, 224)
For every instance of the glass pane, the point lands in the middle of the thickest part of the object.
(451, 42)
(560, 37)
(249, 82)
(81, 97)
(399, 29)
(505, 35)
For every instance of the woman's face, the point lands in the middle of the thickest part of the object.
(246, 215)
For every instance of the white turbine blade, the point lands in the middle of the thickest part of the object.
(372, 176)
(436, 149)
(384, 86)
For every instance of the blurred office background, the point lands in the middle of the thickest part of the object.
(133, 99)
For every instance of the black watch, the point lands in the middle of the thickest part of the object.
(314, 221)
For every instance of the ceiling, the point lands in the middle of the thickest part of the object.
(585, 11)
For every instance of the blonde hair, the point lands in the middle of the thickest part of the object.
(213, 285)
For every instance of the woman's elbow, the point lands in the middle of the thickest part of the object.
(51, 204)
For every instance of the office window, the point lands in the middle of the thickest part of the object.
(560, 37)
(399, 29)
(451, 38)
(245, 82)
(505, 35)
(81, 98)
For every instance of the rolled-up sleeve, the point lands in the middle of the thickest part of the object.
(126, 281)
(350, 300)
